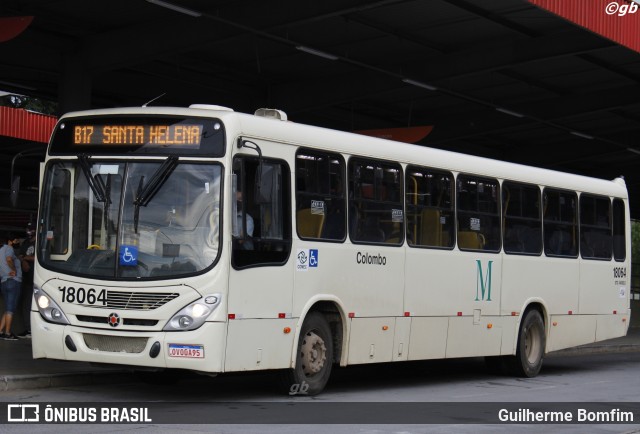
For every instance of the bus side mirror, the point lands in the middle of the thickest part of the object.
(15, 189)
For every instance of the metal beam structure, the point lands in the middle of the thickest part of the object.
(500, 78)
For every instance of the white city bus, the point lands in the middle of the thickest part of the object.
(204, 239)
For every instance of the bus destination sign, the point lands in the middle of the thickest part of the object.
(138, 135)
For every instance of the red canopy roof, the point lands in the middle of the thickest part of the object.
(618, 20)
(26, 125)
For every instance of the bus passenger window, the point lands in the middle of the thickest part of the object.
(376, 213)
(619, 230)
(478, 213)
(320, 197)
(429, 204)
(522, 223)
(595, 227)
(560, 223)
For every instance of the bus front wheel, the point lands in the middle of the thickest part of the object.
(314, 358)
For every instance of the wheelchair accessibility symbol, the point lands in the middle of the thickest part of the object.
(128, 255)
(313, 258)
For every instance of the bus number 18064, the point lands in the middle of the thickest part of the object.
(619, 272)
(89, 296)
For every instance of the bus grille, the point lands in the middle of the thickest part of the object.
(115, 344)
(137, 300)
(125, 321)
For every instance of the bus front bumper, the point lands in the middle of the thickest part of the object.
(199, 350)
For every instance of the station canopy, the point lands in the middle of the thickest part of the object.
(547, 83)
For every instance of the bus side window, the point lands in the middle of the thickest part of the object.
(595, 227)
(429, 205)
(619, 246)
(522, 222)
(376, 211)
(320, 197)
(560, 223)
(261, 227)
(478, 213)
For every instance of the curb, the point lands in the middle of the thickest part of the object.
(43, 381)
(596, 349)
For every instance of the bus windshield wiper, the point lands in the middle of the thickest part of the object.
(106, 188)
(146, 192)
(96, 188)
(101, 191)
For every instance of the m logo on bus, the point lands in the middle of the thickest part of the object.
(483, 282)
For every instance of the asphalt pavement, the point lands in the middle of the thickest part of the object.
(18, 369)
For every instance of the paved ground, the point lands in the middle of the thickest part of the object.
(18, 370)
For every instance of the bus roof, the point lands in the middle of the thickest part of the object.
(260, 127)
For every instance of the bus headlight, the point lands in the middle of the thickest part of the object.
(194, 315)
(49, 309)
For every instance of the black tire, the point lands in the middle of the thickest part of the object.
(531, 346)
(314, 358)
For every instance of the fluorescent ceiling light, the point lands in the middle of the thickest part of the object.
(419, 84)
(509, 112)
(583, 135)
(635, 151)
(176, 8)
(317, 52)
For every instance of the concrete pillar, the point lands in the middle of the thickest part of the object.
(74, 91)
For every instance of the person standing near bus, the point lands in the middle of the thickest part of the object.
(244, 237)
(11, 274)
(27, 256)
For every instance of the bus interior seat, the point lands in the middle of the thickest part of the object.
(366, 191)
(431, 228)
(309, 225)
(470, 240)
(394, 238)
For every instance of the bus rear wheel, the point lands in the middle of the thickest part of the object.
(531, 345)
(529, 353)
(314, 358)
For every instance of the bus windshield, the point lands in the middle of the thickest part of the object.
(130, 220)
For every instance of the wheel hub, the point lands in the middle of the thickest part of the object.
(532, 344)
(313, 353)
